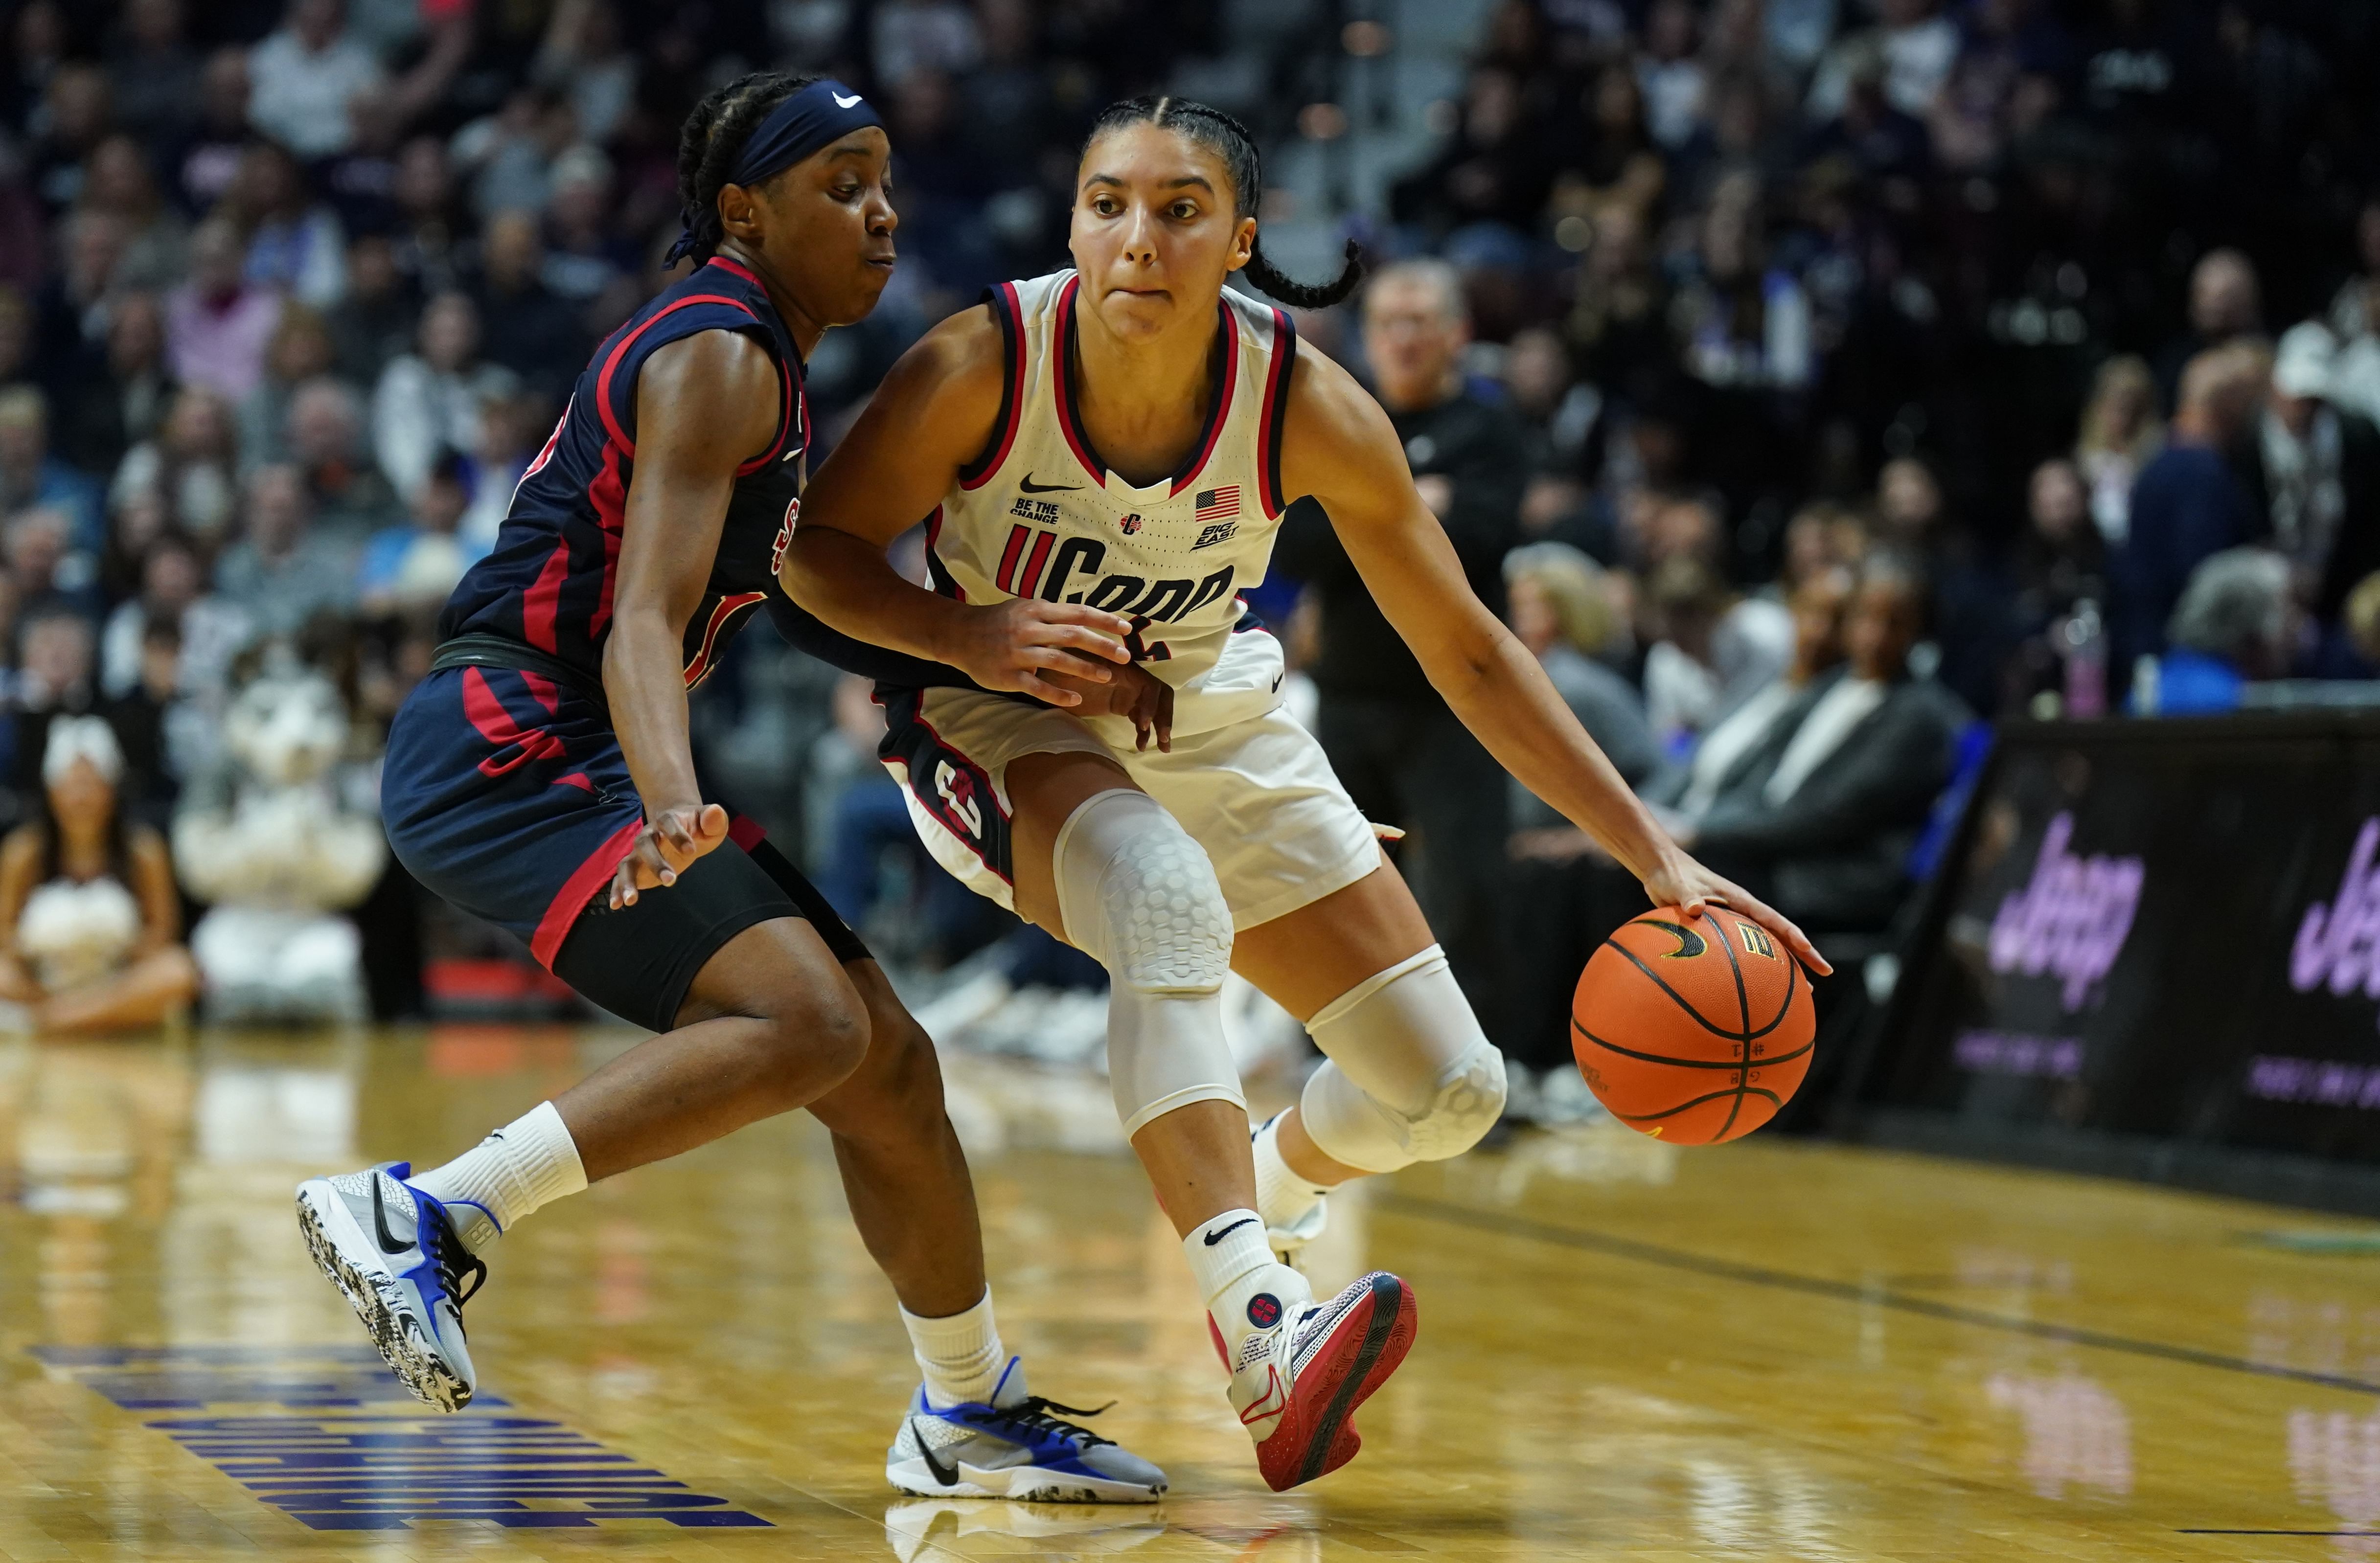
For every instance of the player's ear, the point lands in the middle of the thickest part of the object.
(739, 211)
(1243, 243)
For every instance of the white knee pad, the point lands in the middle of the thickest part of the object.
(1408, 1076)
(1140, 896)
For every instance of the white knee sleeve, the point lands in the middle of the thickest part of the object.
(1139, 895)
(1408, 1075)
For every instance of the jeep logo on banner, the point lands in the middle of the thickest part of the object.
(2338, 945)
(2070, 921)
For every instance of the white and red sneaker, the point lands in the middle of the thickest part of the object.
(1296, 1386)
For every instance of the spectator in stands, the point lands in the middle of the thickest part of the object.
(2188, 503)
(70, 311)
(428, 400)
(524, 328)
(218, 323)
(1561, 608)
(410, 568)
(89, 920)
(155, 72)
(1824, 816)
(2061, 562)
(31, 475)
(2225, 302)
(304, 75)
(1402, 753)
(2234, 626)
(74, 116)
(2312, 472)
(1685, 793)
(2120, 433)
(349, 497)
(1710, 649)
(125, 398)
(122, 185)
(374, 322)
(203, 165)
(172, 578)
(295, 243)
(191, 466)
(301, 349)
(584, 54)
(512, 431)
(282, 572)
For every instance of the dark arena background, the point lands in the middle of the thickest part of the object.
(2014, 361)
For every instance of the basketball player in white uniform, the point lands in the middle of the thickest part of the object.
(1090, 728)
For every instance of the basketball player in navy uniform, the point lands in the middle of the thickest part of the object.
(540, 778)
(1103, 457)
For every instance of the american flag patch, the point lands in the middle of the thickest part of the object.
(1214, 505)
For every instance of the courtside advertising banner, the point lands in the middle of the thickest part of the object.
(2168, 929)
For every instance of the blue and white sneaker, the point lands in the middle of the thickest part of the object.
(1013, 1446)
(391, 1250)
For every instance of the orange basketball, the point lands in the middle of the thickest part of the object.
(1693, 1030)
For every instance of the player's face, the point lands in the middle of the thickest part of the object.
(822, 229)
(1155, 230)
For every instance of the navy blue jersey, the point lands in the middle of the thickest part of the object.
(548, 585)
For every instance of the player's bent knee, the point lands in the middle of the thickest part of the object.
(816, 1038)
(1139, 895)
(1410, 1077)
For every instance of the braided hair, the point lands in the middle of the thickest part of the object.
(1229, 139)
(713, 138)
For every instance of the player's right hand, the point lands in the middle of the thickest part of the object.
(1011, 645)
(672, 839)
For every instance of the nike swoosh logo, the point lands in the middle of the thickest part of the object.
(841, 102)
(1214, 1238)
(1031, 486)
(1276, 683)
(948, 1476)
(388, 1244)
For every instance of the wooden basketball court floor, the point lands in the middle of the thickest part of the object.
(1768, 1350)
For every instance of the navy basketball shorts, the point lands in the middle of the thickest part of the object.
(507, 793)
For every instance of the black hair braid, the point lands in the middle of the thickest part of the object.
(1230, 141)
(713, 138)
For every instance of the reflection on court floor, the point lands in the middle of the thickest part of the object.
(1629, 1350)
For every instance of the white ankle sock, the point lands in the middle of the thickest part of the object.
(1246, 1288)
(1282, 1195)
(960, 1354)
(530, 1162)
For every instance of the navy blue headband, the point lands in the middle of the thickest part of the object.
(818, 115)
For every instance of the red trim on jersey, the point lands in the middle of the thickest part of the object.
(1063, 378)
(1071, 426)
(609, 495)
(577, 890)
(734, 268)
(746, 831)
(542, 691)
(552, 440)
(1005, 578)
(543, 598)
(1223, 406)
(1275, 414)
(499, 727)
(1030, 581)
(729, 606)
(612, 361)
(1009, 312)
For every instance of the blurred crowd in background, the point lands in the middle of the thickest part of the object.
(1809, 382)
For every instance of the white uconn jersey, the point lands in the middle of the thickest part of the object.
(1039, 515)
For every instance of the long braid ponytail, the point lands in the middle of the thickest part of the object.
(1230, 141)
(714, 138)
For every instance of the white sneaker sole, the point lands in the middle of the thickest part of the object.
(333, 1235)
(1024, 1483)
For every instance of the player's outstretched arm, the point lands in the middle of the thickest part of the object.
(1340, 447)
(930, 418)
(704, 404)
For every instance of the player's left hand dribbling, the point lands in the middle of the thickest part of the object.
(672, 839)
(1685, 884)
